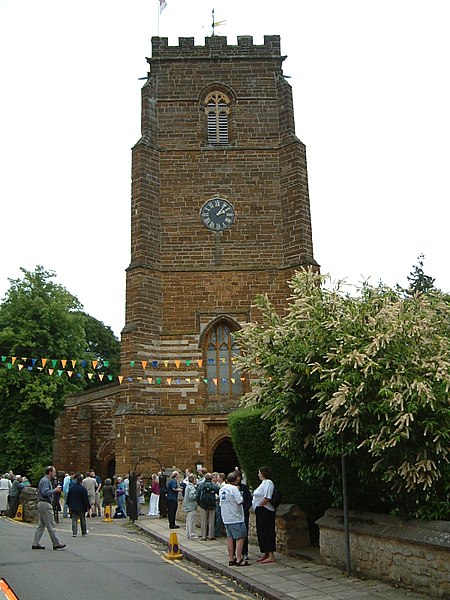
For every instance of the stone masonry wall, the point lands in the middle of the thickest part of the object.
(413, 554)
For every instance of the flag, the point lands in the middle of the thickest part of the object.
(162, 5)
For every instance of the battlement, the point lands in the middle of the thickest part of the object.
(215, 47)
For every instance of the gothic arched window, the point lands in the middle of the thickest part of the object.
(224, 379)
(217, 108)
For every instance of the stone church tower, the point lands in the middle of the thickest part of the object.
(219, 213)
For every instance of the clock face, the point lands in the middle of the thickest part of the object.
(217, 214)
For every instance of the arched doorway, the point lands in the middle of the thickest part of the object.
(224, 457)
(111, 468)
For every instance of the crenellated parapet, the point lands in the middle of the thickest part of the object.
(216, 47)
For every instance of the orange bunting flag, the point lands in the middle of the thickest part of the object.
(63, 362)
(144, 364)
(120, 378)
(90, 375)
(20, 367)
(177, 363)
(150, 379)
(94, 364)
(74, 362)
(50, 371)
(215, 381)
(242, 378)
(70, 373)
(44, 361)
(200, 362)
(13, 359)
(169, 380)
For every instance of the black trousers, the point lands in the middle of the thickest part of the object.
(172, 506)
(265, 529)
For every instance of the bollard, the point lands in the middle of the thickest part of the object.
(174, 548)
(107, 515)
(19, 513)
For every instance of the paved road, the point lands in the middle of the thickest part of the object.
(113, 561)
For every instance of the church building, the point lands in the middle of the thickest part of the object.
(219, 214)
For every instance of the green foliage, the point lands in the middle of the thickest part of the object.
(246, 426)
(39, 318)
(418, 280)
(366, 375)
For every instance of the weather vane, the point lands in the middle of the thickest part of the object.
(215, 23)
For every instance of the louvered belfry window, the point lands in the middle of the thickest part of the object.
(217, 111)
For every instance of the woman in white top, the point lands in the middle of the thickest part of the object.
(265, 516)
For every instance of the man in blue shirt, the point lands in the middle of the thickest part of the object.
(45, 493)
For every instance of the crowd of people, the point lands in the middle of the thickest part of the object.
(10, 487)
(223, 501)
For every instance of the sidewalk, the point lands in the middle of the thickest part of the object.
(289, 577)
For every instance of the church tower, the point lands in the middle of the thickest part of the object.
(219, 213)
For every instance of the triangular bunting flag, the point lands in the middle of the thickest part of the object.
(177, 363)
(169, 380)
(120, 378)
(110, 377)
(74, 362)
(215, 381)
(13, 359)
(44, 362)
(100, 376)
(166, 363)
(132, 363)
(54, 363)
(233, 380)
(64, 363)
(150, 379)
(144, 364)
(154, 363)
(158, 380)
(70, 373)
(59, 372)
(34, 361)
(106, 363)
(50, 371)
(94, 364)
(188, 363)
(90, 375)
(20, 367)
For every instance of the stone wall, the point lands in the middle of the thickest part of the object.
(28, 499)
(414, 554)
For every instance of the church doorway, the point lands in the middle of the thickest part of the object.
(111, 468)
(224, 457)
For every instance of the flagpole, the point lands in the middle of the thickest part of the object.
(159, 12)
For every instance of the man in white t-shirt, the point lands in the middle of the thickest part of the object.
(232, 512)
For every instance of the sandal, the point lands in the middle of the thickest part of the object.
(232, 563)
(242, 563)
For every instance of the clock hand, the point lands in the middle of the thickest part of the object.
(222, 210)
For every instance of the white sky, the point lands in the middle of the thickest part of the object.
(372, 103)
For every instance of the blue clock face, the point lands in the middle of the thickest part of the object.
(217, 214)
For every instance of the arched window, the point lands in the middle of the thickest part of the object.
(224, 379)
(217, 111)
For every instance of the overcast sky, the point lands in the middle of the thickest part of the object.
(371, 93)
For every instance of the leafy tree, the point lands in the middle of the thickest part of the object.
(39, 318)
(418, 280)
(367, 375)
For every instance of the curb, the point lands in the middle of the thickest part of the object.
(216, 567)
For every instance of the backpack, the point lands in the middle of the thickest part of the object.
(277, 498)
(206, 497)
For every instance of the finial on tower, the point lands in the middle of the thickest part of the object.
(215, 23)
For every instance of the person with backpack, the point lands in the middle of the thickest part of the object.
(265, 516)
(206, 499)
